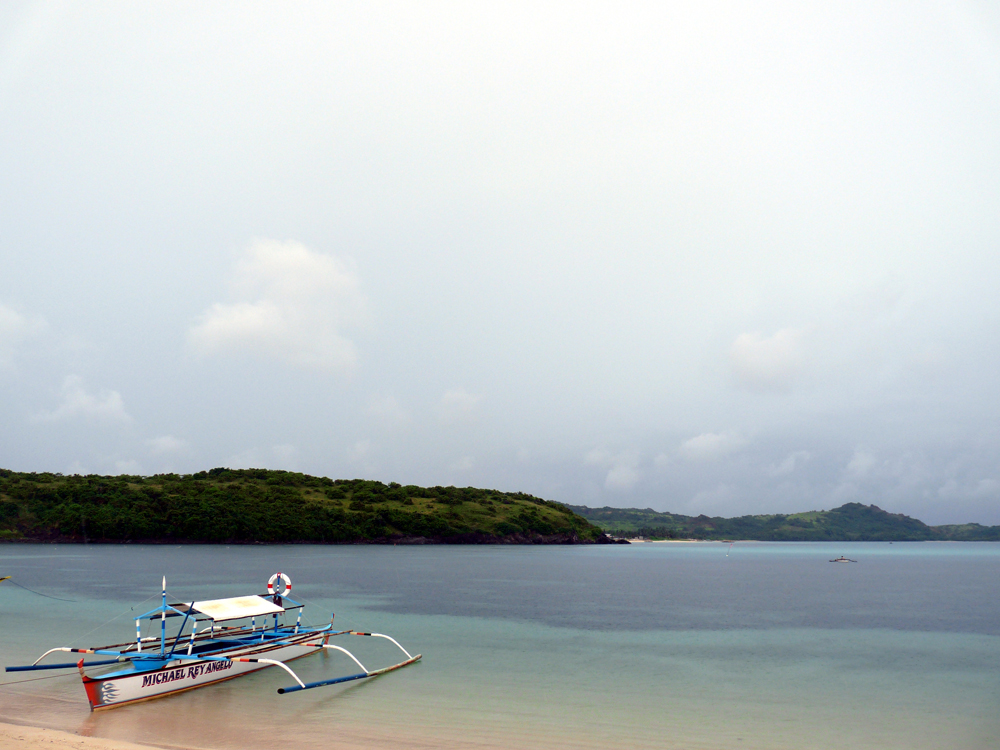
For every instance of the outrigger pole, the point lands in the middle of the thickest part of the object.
(360, 676)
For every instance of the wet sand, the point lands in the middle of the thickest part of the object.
(33, 738)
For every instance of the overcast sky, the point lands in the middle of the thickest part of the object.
(716, 258)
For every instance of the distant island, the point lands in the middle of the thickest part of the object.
(246, 506)
(850, 522)
(265, 506)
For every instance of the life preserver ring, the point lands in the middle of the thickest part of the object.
(284, 579)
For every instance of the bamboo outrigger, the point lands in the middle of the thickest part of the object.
(212, 653)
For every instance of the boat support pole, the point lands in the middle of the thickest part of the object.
(338, 648)
(71, 665)
(379, 635)
(180, 632)
(277, 664)
(76, 651)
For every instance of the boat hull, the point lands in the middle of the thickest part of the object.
(185, 674)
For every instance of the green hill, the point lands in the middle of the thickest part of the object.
(850, 522)
(258, 505)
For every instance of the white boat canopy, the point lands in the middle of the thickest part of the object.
(237, 607)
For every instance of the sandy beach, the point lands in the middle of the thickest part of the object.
(33, 738)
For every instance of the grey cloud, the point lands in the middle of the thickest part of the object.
(459, 407)
(787, 464)
(770, 363)
(167, 444)
(711, 445)
(709, 248)
(15, 329)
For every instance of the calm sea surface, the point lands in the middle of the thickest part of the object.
(650, 645)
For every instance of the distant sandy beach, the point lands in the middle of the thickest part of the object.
(680, 541)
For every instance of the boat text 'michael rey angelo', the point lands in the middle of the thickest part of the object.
(211, 652)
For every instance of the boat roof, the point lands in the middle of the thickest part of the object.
(236, 607)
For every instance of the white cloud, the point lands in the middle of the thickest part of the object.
(360, 451)
(623, 475)
(289, 303)
(986, 488)
(362, 455)
(389, 411)
(106, 406)
(861, 463)
(166, 444)
(130, 467)
(76, 468)
(767, 364)
(948, 490)
(285, 456)
(14, 329)
(466, 463)
(597, 457)
(787, 466)
(843, 493)
(459, 407)
(711, 445)
(708, 500)
(623, 468)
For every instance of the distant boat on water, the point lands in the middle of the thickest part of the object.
(843, 559)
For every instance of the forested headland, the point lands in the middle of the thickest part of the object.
(269, 506)
(260, 505)
(850, 522)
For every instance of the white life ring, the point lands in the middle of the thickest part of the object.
(284, 579)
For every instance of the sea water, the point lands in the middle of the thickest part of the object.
(672, 645)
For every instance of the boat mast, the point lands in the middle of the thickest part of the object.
(163, 620)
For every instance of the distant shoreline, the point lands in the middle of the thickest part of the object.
(851, 522)
(507, 541)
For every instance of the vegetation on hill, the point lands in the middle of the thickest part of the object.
(850, 522)
(259, 505)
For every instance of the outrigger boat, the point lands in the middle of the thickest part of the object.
(211, 652)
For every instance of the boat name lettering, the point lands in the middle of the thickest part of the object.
(191, 672)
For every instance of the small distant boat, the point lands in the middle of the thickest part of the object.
(212, 653)
(843, 559)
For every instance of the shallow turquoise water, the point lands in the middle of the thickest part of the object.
(655, 645)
